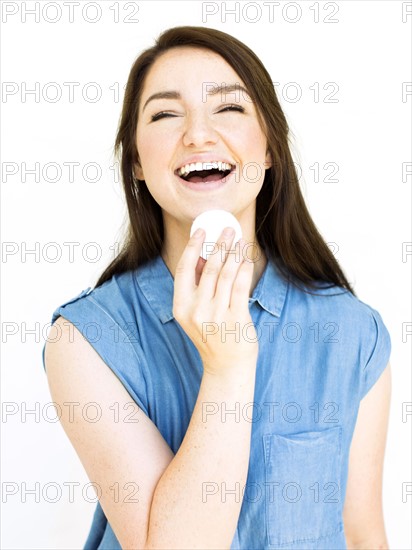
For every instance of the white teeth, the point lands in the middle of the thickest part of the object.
(199, 166)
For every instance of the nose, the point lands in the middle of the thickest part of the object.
(199, 130)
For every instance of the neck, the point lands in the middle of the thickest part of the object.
(177, 234)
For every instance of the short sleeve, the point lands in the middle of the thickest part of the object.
(113, 340)
(379, 349)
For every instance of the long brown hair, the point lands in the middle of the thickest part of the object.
(284, 228)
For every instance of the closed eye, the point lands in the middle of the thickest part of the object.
(164, 114)
(233, 108)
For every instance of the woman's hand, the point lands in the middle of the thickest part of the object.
(211, 303)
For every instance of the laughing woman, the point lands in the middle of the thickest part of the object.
(270, 432)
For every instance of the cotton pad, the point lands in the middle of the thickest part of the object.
(213, 222)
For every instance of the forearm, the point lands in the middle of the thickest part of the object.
(373, 537)
(373, 543)
(214, 455)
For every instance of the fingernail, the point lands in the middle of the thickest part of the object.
(228, 232)
(198, 233)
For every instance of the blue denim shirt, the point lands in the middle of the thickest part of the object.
(318, 357)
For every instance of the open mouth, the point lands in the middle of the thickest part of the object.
(205, 172)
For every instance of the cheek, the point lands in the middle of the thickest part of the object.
(154, 150)
(145, 149)
(249, 138)
(253, 148)
(257, 138)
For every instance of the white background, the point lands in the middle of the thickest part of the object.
(366, 212)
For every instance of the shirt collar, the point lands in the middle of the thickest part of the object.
(156, 283)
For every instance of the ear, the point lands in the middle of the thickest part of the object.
(138, 171)
(268, 160)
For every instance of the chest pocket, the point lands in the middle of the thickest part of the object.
(302, 496)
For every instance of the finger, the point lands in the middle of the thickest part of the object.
(228, 274)
(199, 268)
(213, 266)
(185, 274)
(239, 299)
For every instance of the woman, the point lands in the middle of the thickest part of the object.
(250, 370)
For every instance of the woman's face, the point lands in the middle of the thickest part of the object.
(196, 126)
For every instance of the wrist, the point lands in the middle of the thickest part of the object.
(231, 372)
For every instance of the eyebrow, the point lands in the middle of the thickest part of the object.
(171, 94)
